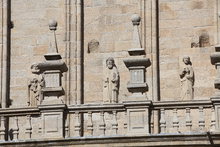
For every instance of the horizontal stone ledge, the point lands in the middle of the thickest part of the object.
(169, 140)
(110, 107)
(19, 111)
(182, 104)
(97, 107)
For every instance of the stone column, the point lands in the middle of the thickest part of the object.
(5, 48)
(79, 53)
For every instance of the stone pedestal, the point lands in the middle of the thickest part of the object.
(52, 70)
(52, 120)
(137, 105)
(137, 65)
(52, 107)
(137, 85)
(138, 117)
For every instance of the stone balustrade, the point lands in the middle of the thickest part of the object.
(88, 120)
(186, 117)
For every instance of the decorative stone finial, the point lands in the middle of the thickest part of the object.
(136, 43)
(135, 18)
(52, 50)
(52, 25)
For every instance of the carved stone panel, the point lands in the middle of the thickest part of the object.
(52, 124)
(52, 78)
(138, 122)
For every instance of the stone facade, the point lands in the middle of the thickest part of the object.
(109, 73)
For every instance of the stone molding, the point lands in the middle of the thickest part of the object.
(169, 140)
(109, 107)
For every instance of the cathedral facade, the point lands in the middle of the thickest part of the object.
(110, 73)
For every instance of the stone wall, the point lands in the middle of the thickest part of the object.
(29, 41)
(88, 33)
(182, 23)
(108, 22)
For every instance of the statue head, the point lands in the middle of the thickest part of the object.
(35, 81)
(110, 63)
(35, 68)
(186, 60)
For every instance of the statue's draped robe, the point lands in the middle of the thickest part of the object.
(110, 87)
(187, 82)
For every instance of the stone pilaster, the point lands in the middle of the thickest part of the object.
(215, 60)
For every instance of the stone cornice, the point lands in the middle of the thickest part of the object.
(169, 140)
(111, 107)
(19, 111)
(182, 104)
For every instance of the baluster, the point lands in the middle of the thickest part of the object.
(175, 121)
(40, 126)
(102, 123)
(162, 121)
(201, 119)
(90, 124)
(114, 123)
(152, 122)
(67, 127)
(213, 122)
(2, 129)
(188, 120)
(77, 124)
(15, 129)
(125, 123)
(28, 131)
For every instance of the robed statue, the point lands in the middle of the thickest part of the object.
(111, 82)
(187, 79)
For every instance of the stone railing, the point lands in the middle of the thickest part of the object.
(185, 116)
(99, 120)
(109, 120)
(17, 123)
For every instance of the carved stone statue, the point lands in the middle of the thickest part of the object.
(111, 82)
(35, 91)
(187, 79)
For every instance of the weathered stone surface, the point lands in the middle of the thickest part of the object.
(59, 101)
